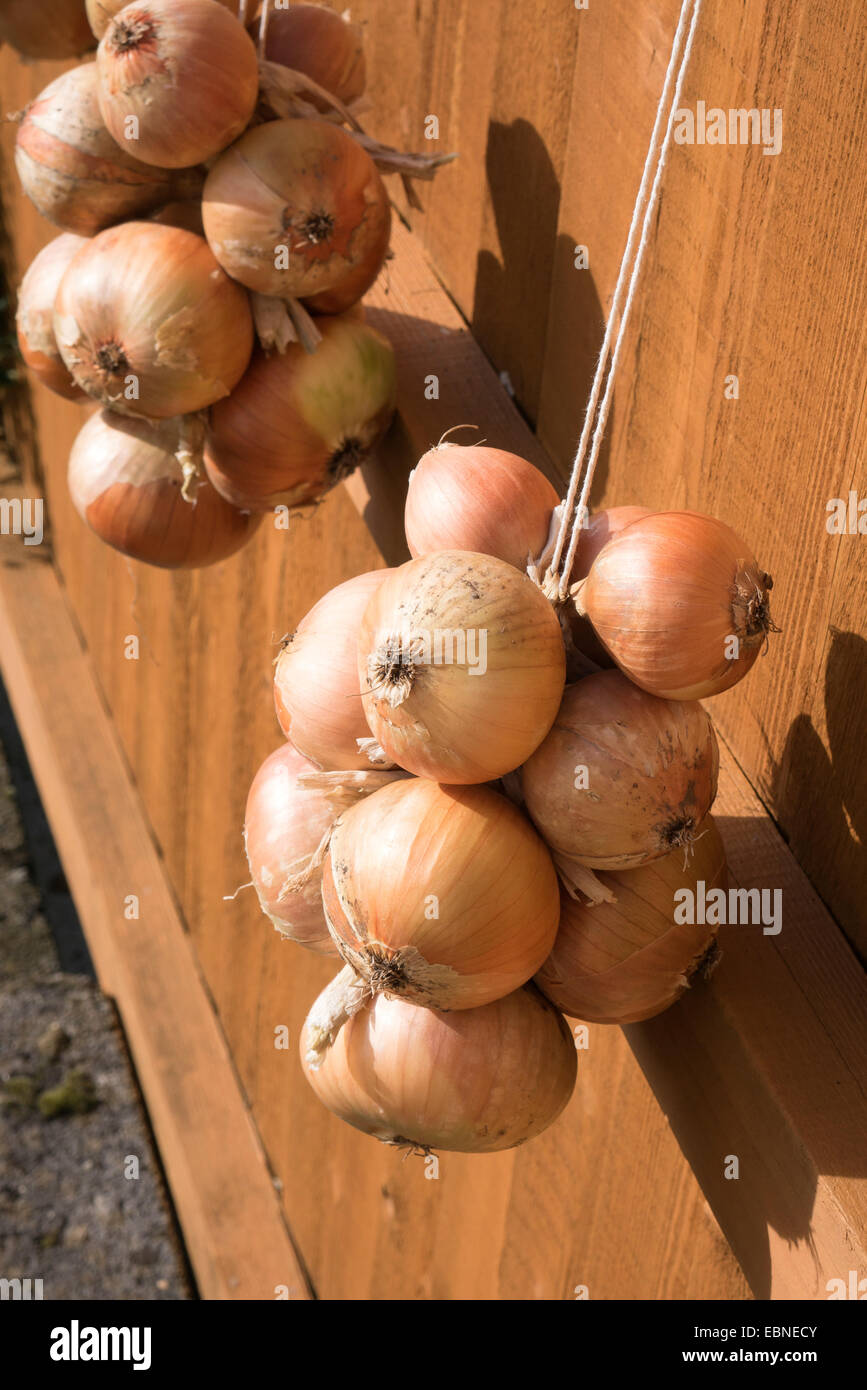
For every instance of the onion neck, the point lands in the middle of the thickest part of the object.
(337, 1003)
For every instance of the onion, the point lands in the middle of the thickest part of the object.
(462, 665)
(627, 960)
(73, 171)
(35, 317)
(474, 1082)
(623, 777)
(128, 486)
(178, 80)
(598, 532)
(149, 324)
(286, 821)
(300, 422)
(321, 44)
(45, 28)
(679, 604)
(100, 13)
(474, 498)
(303, 193)
(444, 896)
(316, 689)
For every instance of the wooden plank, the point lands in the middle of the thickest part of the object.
(208, 1142)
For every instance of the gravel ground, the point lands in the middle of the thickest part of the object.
(82, 1203)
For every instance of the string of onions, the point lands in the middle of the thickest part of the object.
(148, 324)
(35, 316)
(442, 896)
(462, 666)
(316, 688)
(628, 958)
(75, 173)
(623, 777)
(479, 1081)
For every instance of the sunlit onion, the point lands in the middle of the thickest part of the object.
(600, 529)
(35, 317)
(100, 13)
(323, 45)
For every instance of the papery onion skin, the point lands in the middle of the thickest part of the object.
(145, 309)
(321, 44)
(100, 13)
(436, 719)
(35, 317)
(72, 170)
(628, 960)
(666, 596)
(44, 29)
(126, 484)
(178, 79)
(299, 423)
(316, 687)
(301, 192)
(479, 1081)
(480, 499)
(651, 774)
(444, 896)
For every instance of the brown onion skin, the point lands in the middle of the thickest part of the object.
(321, 44)
(35, 316)
(666, 594)
(299, 422)
(628, 960)
(325, 717)
(307, 186)
(72, 170)
(186, 70)
(45, 29)
(282, 822)
(479, 1081)
(126, 484)
(149, 302)
(602, 527)
(100, 13)
(652, 774)
(476, 498)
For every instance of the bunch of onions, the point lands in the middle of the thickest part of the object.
(602, 526)
(72, 170)
(45, 28)
(148, 323)
(297, 209)
(473, 1082)
(462, 666)
(679, 603)
(479, 499)
(629, 958)
(35, 316)
(316, 688)
(443, 896)
(321, 44)
(300, 422)
(623, 777)
(100, 13)
(178, 80)
(127, 484)
(290, 810)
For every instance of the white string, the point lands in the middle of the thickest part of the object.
(657, 156)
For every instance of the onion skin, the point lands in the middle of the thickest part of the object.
(35, 317)
(602, 527)
(479, 1081)
(466, 853)
(72, 170)
(126, 484)
(188, 74)
(299, 423)
(652, 768)
(44, 29)
(149, 303)
(476, 498)
(439, 720)
(321, 44)
(308, 187)
(625, 961)
(100, 13)
(316, 688)
(666, 595)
